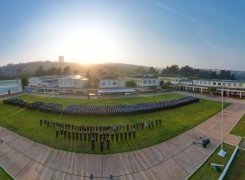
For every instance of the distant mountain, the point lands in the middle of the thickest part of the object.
(30, 68)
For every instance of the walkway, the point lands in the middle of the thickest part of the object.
(176, 158)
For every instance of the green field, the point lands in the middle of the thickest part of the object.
(174, 122)
(205, 172)
(237, 168)
(4, 175)
(67, 101)
(239, 129)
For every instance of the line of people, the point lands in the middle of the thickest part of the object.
(103, 110)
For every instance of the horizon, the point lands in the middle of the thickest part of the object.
(202, 35)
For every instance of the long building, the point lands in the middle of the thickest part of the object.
(10, 86)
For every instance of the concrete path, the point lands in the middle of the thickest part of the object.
(176, 158)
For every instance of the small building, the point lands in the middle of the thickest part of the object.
(172, 78)
(35, 81)
(44, 81)
(10, 86)
(49, 83)
(111, 82)
(72, 81)
(143, 80)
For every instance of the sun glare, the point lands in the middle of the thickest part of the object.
(88, 46)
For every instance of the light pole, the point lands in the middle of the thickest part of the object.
(222, 153)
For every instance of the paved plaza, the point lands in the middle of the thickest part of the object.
(174, 159)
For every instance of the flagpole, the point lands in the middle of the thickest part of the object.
(222, 153)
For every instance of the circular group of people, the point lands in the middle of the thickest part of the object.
(103, 110)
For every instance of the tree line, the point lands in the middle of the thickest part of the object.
(189, 72)
(53, 71)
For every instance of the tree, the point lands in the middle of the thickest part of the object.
(93, 82)
(211, 90)
(152, 71)
(87, 74)
(140, 70)
(174, 69)
(59, 71)
(40, 71)
(52, 71)
(161, 83)
(101, 72)
(130, 83)
(166, 85)
(24, 81)
(67, 70)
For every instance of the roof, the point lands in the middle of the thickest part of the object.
(115, 90)
(72, 77)
(185, 80)
(142, 76)
(172, 75)
(107, 77)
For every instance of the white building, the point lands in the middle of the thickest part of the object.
(35, 81)
(45, 81)
(233, 84)
(172, 78)
(144, 80)
(76, 81)
(111, 82)
(10, 86)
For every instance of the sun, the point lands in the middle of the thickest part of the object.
(89, 45)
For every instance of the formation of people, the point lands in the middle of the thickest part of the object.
(15, 102)
(103, 110)
(103, 135)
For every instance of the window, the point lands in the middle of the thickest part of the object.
(154, 81)
(149, 81)
(209, 83)
(240, 85)
(223, 84)
(235, 84)
(214, 83)
(205, 82)
(145, 81)
(201, 82)
(219, 84)
(108, 83)
(103, 83)
(114, 83)
(229, 84)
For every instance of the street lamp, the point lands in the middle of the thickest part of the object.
(222, 153)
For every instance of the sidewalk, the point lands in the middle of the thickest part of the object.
(176, 158)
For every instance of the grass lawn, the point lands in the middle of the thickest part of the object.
(239, 129)
(67, 101)
(205, 172)
(174, 122)
(237, 168)
(4, 175)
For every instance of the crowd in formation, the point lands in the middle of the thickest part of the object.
(15, 102)
(53, 108)
(103, 110)
(125, 109)
(103, 135)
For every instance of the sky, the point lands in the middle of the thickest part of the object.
(202, 34)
